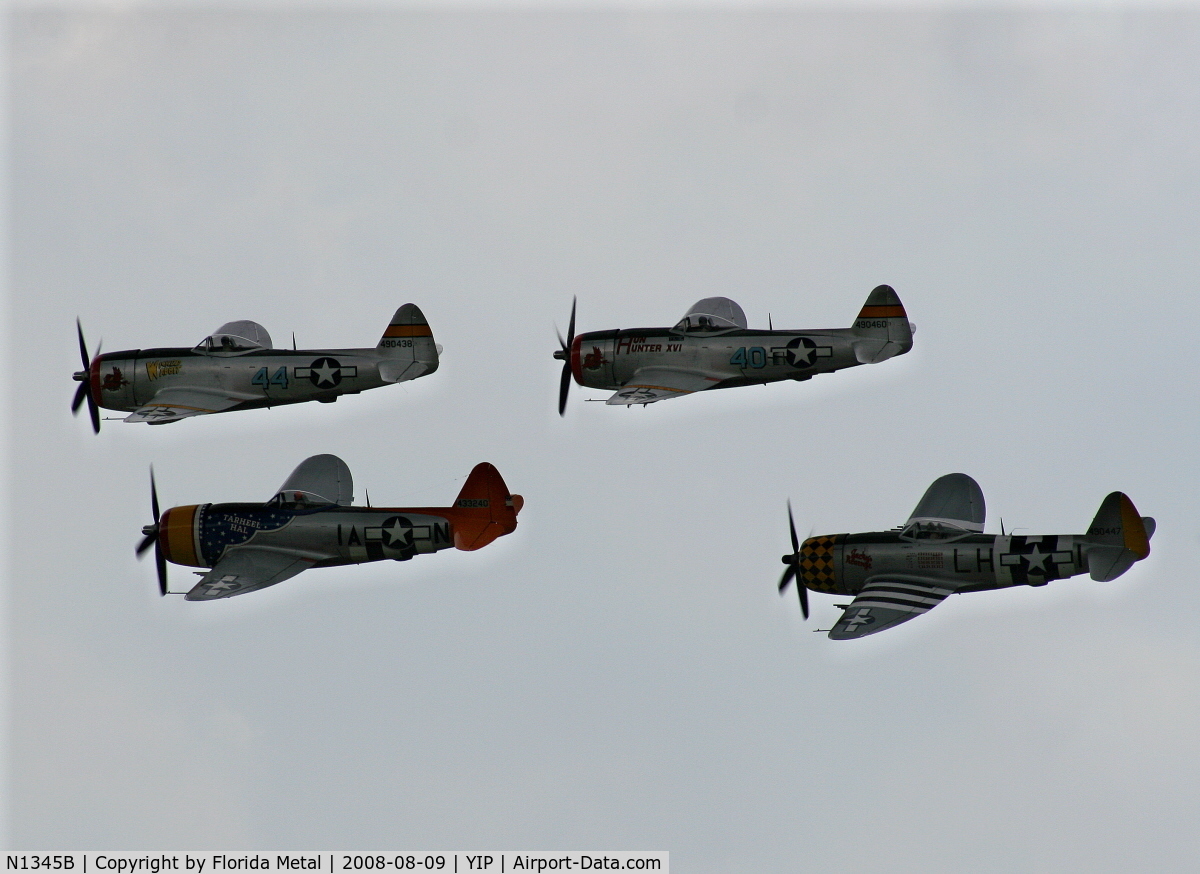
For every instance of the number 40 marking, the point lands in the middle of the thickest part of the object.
(279, 378)
(755, 356)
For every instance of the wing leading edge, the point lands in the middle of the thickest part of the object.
(885, 602)
(246, 568)
(650, 384)
(173, 404)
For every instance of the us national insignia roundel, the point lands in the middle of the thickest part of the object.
(803, 352)
(326, 372)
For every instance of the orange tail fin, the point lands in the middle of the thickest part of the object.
(484, 509)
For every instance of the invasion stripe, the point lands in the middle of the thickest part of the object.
(408, 331)
(893, 603)
(906, 591)
(883, 312)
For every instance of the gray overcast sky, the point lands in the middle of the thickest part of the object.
(620, 673)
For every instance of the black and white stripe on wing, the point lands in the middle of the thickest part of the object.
(899, 595)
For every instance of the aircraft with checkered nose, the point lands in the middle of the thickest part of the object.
(236, 368)
(310, 522)
(712, 347)
(941, 550)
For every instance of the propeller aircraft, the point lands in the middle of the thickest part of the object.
(712, 347)
(236, 368)
(897, 575)
(310, 522)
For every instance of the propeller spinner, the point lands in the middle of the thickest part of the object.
(792, 561)
(83, 377)
(152, 539)
(564, 355)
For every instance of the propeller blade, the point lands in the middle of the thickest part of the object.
(147, 541)
(793, 565)
(95, 411)
(564, 386)
(85, 385)
(83, 353)
(786, 579)
(160, 561)
(564, 382)
(80, 394)
(153, 496)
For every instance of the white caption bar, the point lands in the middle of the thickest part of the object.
(495, 862)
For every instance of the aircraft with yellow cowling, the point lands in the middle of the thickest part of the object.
(310, 522)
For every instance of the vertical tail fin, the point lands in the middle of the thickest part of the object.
(883, 327)
(408, 346)
(1117, 538)
(484, 509)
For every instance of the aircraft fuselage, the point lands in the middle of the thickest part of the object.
(609, 359)
(842, 563)
(199, 535)
(127, 380)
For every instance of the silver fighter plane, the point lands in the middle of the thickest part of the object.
(310, 523)
(897, 575)
(711, 347)
(236, 368)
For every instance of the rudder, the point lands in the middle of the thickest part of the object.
(1117, 538)
(484, 509)
(408, 346)
(882, 329)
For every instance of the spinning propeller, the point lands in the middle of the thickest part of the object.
(151, 539)
(85, 382)
(564, 355)
(793, 563)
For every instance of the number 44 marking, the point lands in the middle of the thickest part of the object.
(279, 378)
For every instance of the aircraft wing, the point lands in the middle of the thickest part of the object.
(246, 568)
(172, 404)
(887, 601)
(953, 499)
(652, 384)
(321, 479)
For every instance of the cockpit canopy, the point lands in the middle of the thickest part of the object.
(236, 337)
(713, 314)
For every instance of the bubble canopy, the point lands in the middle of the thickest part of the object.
(713, 314)
(242, 336)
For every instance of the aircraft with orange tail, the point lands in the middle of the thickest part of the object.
(236, 368)
(897, 575)
(310, 523)
(712, 347)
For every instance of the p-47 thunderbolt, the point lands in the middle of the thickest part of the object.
(235, 368)
(896, 575)
(310, 523)
(711, 347)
